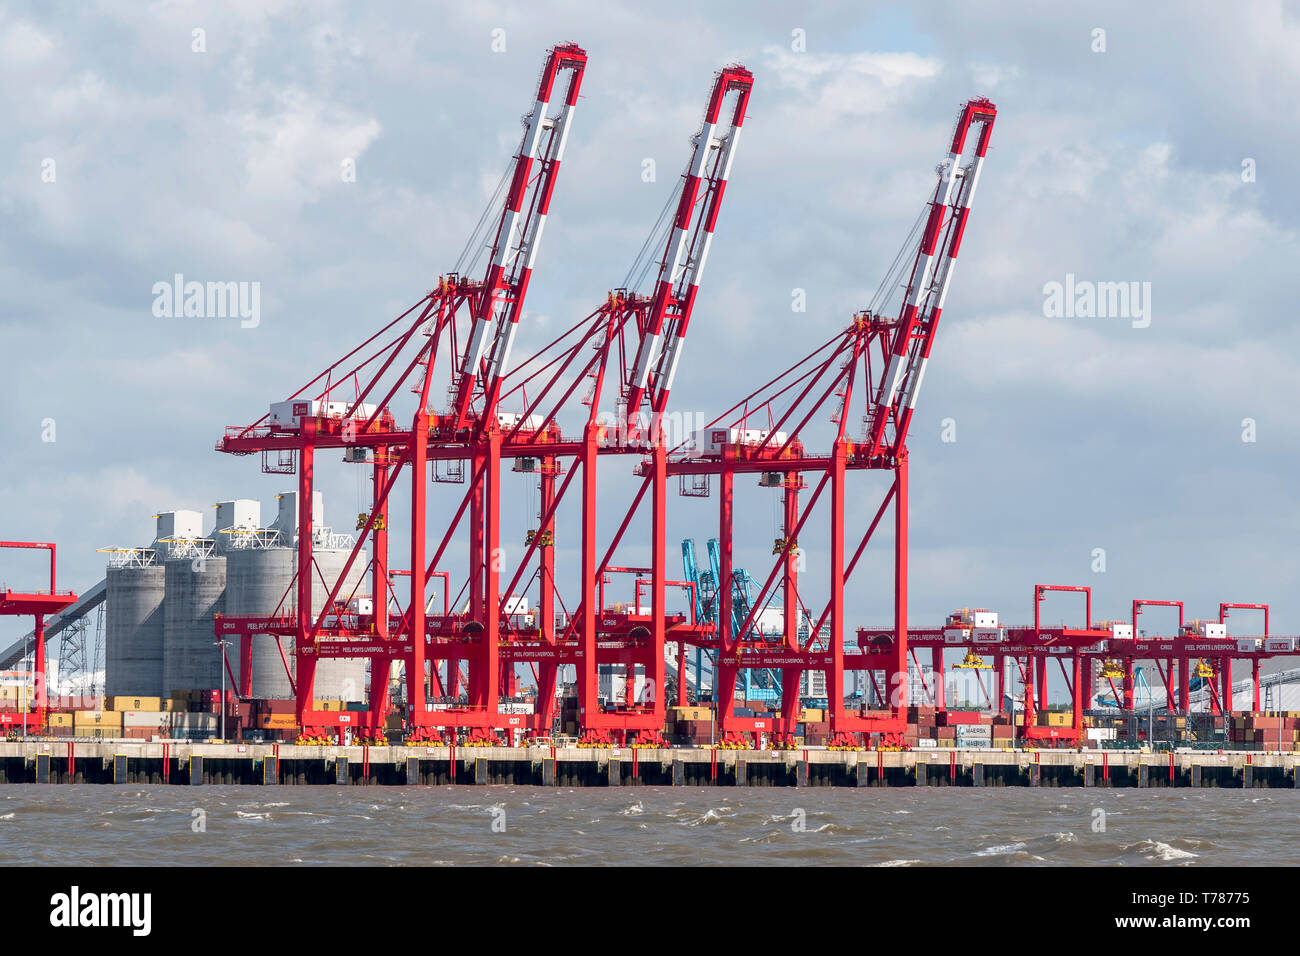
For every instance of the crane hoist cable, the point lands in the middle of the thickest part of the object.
(905, 253)
(658, 237)
(476, 242)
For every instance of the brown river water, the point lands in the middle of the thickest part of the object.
(528, 826)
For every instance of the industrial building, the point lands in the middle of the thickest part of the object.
(160, 602)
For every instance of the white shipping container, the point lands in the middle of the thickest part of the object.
(288, 415)
(1101, 733)
(975, 743)
(145, 718)
(927, 742)
(713, 439)
(974, 731)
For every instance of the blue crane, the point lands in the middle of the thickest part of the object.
(764, 684)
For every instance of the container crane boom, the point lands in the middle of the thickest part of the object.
(496, 309)
(682, 266)
(928, 284)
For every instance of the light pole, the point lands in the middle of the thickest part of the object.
(31, 668)
(221, 643)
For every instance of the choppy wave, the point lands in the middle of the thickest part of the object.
(1001, 849)
(1156, 850)
(440, 826)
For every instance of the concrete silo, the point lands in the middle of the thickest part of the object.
(195, 592)
(196, 585)
(133, 642)
(258, 580)
(259, 573)
(135, 587)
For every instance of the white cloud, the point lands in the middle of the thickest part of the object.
(989, 76)
(296, 148)
(838, 84)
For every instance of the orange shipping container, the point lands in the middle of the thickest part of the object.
(108, 719)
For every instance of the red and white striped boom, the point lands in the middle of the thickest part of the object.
(497, 308)
(928, 283)
(682, 265)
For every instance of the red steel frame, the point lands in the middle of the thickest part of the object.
(890, 352)
(1032, 647)
(887, 353)
(368, 428)
(475, 432)
(39, 604)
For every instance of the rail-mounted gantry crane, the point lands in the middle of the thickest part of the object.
(38, 604)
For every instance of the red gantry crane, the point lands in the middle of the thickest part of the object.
(585, 634)
(1202, 649)
(493, 634)
(363, 424)
(40, 604)
(889, 353)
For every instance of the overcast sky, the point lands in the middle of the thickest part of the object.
(1073, 433)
